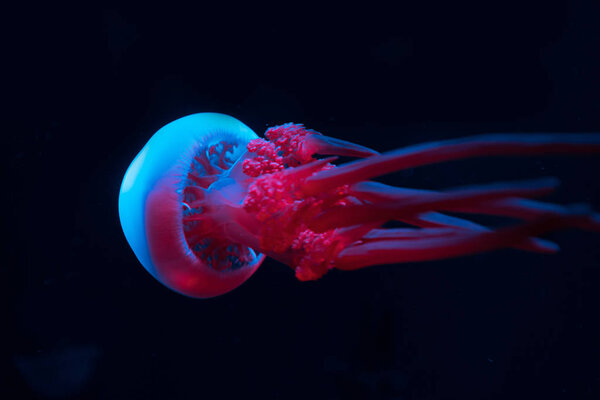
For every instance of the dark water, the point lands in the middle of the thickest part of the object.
(88, 86)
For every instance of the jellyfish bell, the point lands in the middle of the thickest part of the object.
(182, 158)
(206, 200)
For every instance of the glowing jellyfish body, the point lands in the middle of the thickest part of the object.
(206, 200)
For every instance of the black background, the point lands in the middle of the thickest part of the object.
(87, 86)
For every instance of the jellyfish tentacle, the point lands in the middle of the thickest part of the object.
(511, 207)
(527, 209)
(379, 192)
(407, 234)
(326, 145)
(448, 200)
(436, 219)
(462, 243)
(528, 244)
(436, 152)
(375, 191)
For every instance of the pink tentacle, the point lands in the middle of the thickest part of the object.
(435, 152)
(407, 234)
(529, 209)
(462, 243)
(448, 200)
(325, 145)
(376, 192)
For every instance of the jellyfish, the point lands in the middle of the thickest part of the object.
(206, 200)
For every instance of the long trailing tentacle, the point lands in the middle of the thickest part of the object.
(434, 247)
(529, 244)
(513, 207)
(325, 145)
(448, 201)
(435, 152)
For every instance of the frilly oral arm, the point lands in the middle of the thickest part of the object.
(291, 145)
